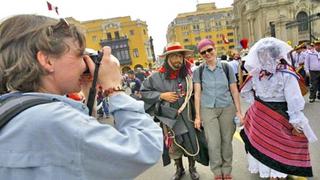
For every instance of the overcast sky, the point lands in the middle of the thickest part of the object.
(157, 13)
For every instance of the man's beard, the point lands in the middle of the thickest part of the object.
(177, 66)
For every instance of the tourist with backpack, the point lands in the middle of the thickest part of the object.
(217, 103)
(43, 59)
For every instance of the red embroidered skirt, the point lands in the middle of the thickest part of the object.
(268, 137)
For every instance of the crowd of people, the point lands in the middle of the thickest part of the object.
(272, 85)
(182, 109)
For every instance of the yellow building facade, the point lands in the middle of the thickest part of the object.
(206, 22)
(128, 39)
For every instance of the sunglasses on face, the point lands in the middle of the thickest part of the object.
(206, 51)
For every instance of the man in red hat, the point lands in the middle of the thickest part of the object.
(169, 91)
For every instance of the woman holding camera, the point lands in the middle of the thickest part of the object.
(43, 57)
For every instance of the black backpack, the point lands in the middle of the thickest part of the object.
(14, 103)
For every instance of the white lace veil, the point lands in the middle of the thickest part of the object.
(266, 55)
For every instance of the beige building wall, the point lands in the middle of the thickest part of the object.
(253, 19)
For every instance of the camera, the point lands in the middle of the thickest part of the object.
(96, 56)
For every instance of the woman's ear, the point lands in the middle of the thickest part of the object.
(45, 61)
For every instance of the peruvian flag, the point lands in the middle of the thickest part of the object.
(224, 38)
(51, 7)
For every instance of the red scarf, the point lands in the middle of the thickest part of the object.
(174, 74)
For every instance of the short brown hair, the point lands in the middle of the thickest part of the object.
(21, 38)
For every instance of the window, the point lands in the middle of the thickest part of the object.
(94, 38)
(116, 35)
(196, 27)
(118, 55)
(144, 32)
(272, 29)
(302, 19)
(230, 34)
(127, 55)
(123, 54)
(186, 40)
(109, 36)
(197, 38)
(131, 32)
(135, 52)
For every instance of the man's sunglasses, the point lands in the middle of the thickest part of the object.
(206, 51)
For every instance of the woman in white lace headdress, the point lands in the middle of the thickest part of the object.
(276, 132)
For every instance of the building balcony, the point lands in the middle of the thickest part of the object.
(120, 49)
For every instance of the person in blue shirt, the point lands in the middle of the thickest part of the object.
(42, 56)
(217, 103)
(134, 83)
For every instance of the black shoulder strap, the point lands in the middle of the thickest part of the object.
(13, 105)
(201, 68)
(226, 69)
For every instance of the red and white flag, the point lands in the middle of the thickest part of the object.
(225, 39)
(51, 7)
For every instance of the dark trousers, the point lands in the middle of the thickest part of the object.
(315, 83)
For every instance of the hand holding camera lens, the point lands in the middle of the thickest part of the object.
(109, 73)
(106, 72)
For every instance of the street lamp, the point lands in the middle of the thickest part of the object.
(152, 49)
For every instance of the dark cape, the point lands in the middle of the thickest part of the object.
(186, 136)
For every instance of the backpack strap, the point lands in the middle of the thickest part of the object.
(201, 68)
(225, 69)
(12, 105)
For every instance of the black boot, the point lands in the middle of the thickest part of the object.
(192, 169)
(179, 169)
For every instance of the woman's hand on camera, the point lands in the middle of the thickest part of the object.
(109, 72)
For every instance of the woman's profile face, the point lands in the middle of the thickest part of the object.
(68, 69)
